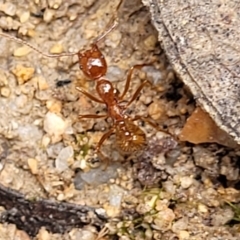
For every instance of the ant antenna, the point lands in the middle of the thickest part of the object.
(18, 40)
(111, 25)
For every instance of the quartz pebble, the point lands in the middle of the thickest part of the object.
(55, 126)
(43, 235)
(96, 176)
(61, 161)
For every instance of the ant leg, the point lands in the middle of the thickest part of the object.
(145, 119)
(98, 151)
(92, 116)
(129, 77)
(135, 95)
(89, 95)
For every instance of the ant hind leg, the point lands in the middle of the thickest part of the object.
(105, 159)
(152, 124)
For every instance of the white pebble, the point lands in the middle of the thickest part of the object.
(55, 126)
(61, 161)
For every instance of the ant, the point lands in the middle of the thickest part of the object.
(129, 136)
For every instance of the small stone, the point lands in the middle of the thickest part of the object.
(21, 235)
(150, 42)
(57, 48)
(61, 161)
(43, 234)
(42, 83)
(8, 8)
(186, 182)
(96, 176)
(55, 126)
(24, 16)
(222, 217)
(5, 92)
(21, 51)
(183, 235)
(55, 4)
(23, 74)
(33, 165)
(46, 140)
(164, 219)
(85, 234)
(156, 110)
(202, 208)
(54, 106)
(48, 15)
(116, 194)
(112, 211)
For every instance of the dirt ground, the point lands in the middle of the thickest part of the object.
(167, 190)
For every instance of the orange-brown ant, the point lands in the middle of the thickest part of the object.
(129, 136)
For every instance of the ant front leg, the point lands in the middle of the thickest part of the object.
(89, 95)
(139, 89)
(129, 77)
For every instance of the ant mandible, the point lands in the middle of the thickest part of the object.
(129, 136)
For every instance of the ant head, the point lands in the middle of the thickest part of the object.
(92, 63)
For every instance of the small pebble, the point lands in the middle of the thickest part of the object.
(24, 16)
(183, 235)
(46, 140)
(112, 211)
(21, 235)
(156, 110)
(21, 51)
(150, 42)
(55, 126)
(202, 208)
(23, 74)
(48, 15)
(8, 8)
(55, 4)
(43, 234)
(86, 235)
(186, 182)
(33, 165)
(54, 106)
(61, 161)
(5, 92)
(57, 48)
(96, 176)
(42, 83)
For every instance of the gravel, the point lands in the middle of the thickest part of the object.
(170, 190)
